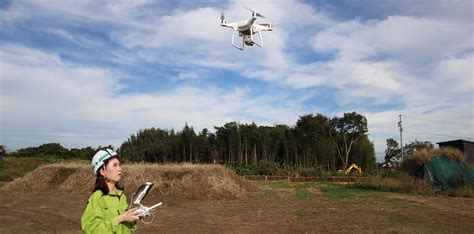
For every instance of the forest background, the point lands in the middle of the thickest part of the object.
(314, 145)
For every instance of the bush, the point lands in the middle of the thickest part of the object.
(261, 168)
(412, 164)
(272, 168)
(12, 167)
(310, 172)
(397, 181)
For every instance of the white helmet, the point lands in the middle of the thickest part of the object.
(100, 157)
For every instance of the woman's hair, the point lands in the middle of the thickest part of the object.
(100, 180)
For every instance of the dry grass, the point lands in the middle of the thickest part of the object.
(182, 180)
(412, 163)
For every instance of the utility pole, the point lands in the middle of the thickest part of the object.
(400, 127)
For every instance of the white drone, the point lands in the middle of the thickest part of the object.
(246, 29)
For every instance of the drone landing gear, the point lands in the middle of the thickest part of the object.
(247, 40)
(233, 42)
(259, 34)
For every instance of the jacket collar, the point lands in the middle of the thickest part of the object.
(119, 193)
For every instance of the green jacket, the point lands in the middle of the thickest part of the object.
(102, 211)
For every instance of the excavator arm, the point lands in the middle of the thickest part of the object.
(354, 166)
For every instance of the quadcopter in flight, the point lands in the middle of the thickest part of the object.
(246, 29)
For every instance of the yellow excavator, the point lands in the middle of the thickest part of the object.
(354, 166)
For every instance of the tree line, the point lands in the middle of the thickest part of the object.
(394, 154)
(315, 141)
(54, 150)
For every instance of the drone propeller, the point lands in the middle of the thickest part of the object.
(222, 16)
(254, 12)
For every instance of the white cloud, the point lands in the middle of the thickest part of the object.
(417, 62)
(423, 63)
(78, 105)
(179, 29)
(301, 80)
(81, 40)
(456, 72)
(410, 39)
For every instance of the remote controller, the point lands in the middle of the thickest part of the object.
(146, 211)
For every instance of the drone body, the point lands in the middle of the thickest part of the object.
(246, 29)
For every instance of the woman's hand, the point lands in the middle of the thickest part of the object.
(129, 216)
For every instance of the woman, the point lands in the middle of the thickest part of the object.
(107, 209)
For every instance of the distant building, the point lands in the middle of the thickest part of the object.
(467, 147)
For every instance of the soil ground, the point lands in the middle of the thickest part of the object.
(273, 208)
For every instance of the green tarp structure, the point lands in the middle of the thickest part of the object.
(447, 174)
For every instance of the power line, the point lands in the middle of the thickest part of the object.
(435, 134)
(441, 121)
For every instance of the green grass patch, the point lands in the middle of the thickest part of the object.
(303, 194)
(336, 191)
(270, 193)
(288, 185)
(279, 185)
(397, 183)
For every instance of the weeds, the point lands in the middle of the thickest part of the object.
(14, 167)
(463, 191)
(181, 180)
(272, 168)
(287, 185)
(397, 182)
(335, 191)
(279, 185)
(412, 164)
(303, 194)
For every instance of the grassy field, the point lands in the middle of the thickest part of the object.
(273, 207)
(352, 209)
(212, 198)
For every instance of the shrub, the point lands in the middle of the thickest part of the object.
(310, 172)
(397, 181)
(261, 168)
(412, 164)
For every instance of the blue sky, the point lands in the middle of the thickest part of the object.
(90, 73)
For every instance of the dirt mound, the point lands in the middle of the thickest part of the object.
(182, 180)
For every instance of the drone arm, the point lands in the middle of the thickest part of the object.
(233, 26)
